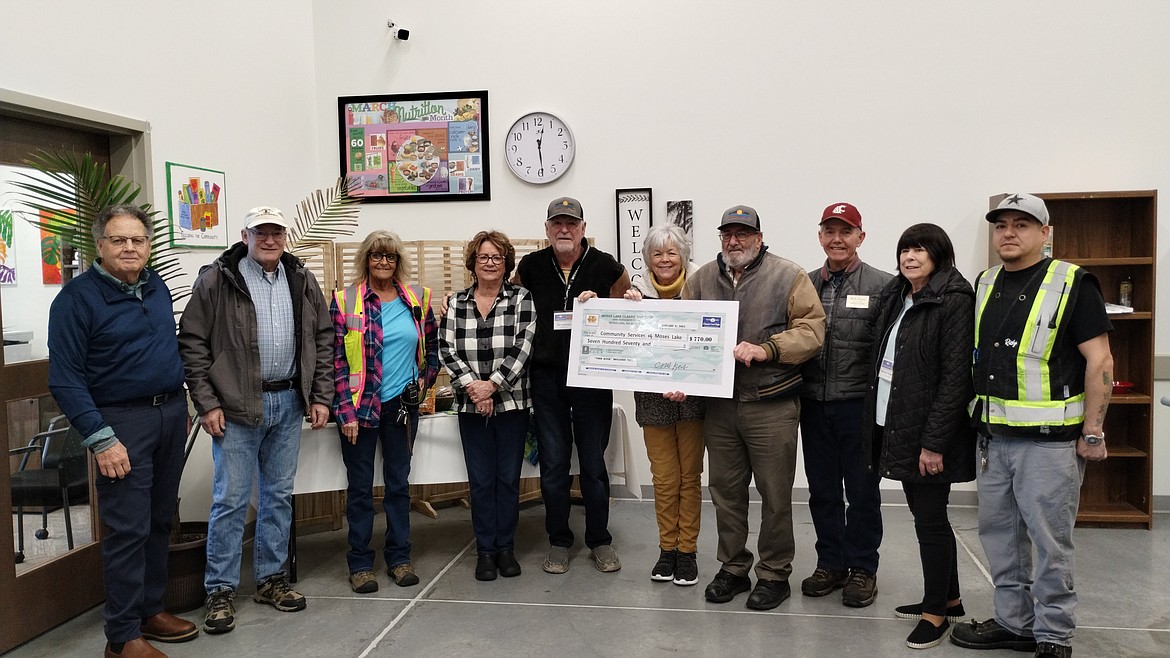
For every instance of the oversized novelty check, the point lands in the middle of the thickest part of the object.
(654, 345)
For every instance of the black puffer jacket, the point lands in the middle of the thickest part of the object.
(931, 386)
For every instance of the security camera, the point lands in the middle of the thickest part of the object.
(400, 33)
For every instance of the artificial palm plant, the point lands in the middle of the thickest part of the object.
(70, 189)
(68, 192)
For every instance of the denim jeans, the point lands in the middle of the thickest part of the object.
(493, 449)
(268, 455)
(566, 416)
(359, 504)
(847, 537)
(137, 512)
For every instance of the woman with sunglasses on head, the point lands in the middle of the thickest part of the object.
(385, 357)
(485, 343)
(916, 421)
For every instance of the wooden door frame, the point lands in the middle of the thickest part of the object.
(47, 596)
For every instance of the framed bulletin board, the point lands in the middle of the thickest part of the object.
(416, 147)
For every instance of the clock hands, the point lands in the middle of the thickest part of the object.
(539, 152)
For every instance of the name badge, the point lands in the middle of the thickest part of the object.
(562, 320)
(887, 370)
(857, 301)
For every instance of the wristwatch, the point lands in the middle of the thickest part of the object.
(1093, 439)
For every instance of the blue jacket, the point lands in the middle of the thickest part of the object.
(107, 346)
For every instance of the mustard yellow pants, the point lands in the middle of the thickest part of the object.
(676, 464)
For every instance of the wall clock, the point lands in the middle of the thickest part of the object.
(540, 147)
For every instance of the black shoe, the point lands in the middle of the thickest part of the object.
(990, 635)
(485, 568)
(955, 613)
(861, 589)
(686, 571)
(509, 567)
(725, 585)
(926, 635)
(823, 582)
(768, 594)
(1051, 650)
(663, 570)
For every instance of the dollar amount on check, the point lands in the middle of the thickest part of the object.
(654, 345)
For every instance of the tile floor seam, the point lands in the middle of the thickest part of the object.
(421, 593)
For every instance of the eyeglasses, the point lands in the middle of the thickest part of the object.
(484, 259)
(119, 241)
(378, 257)
(266, 235)
(740, 236)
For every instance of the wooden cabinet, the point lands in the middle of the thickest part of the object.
(1113, 235)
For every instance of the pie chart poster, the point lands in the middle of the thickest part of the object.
(416, 147)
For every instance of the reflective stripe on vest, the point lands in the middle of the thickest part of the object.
(351, 300)
(1034, 406)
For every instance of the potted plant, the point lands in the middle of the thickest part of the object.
(66, 195)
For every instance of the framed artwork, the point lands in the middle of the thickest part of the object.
(682, 214)
(634, 211)
(197, 206)
(416, 147)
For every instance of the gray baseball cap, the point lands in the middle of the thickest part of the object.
(565, 206)
(740, 215)
(1028, 204)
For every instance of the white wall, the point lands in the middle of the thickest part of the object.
(224, 85)
(911, 109)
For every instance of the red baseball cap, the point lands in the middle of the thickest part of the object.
(845, 212)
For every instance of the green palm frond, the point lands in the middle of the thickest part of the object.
(69, 191)
(325, 215)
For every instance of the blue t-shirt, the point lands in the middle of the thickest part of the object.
(399, 349)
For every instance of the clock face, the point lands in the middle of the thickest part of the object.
(540, 147)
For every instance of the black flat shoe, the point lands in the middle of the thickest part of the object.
(485, 568)
(509, 567)
(768, 594)
(725, 585)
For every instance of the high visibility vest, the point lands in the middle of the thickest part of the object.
(1033, 403)
(351, 301)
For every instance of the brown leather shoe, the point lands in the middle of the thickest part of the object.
(136, 648)
(165, 627)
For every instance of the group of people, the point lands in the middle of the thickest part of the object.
(918, 377)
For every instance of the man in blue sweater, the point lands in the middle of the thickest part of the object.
(115, 372)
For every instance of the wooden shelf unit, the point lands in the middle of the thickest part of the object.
(1114, 236)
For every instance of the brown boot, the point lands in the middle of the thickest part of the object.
(165, 627)
(136, 648)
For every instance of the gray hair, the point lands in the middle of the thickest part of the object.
(124, 210)
(663, 235)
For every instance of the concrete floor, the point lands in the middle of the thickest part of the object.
(1122, 577)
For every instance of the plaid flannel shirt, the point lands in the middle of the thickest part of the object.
(496, 347)
(369, 408)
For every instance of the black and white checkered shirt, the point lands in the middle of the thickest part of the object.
(496, 347)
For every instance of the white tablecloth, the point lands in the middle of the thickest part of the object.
(438, 457)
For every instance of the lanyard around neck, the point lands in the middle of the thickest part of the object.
(572, 275)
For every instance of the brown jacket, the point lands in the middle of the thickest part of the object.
(217, 339)
(779, 310)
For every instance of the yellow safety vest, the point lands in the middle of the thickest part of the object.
(355, 329)
(1033, 404)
